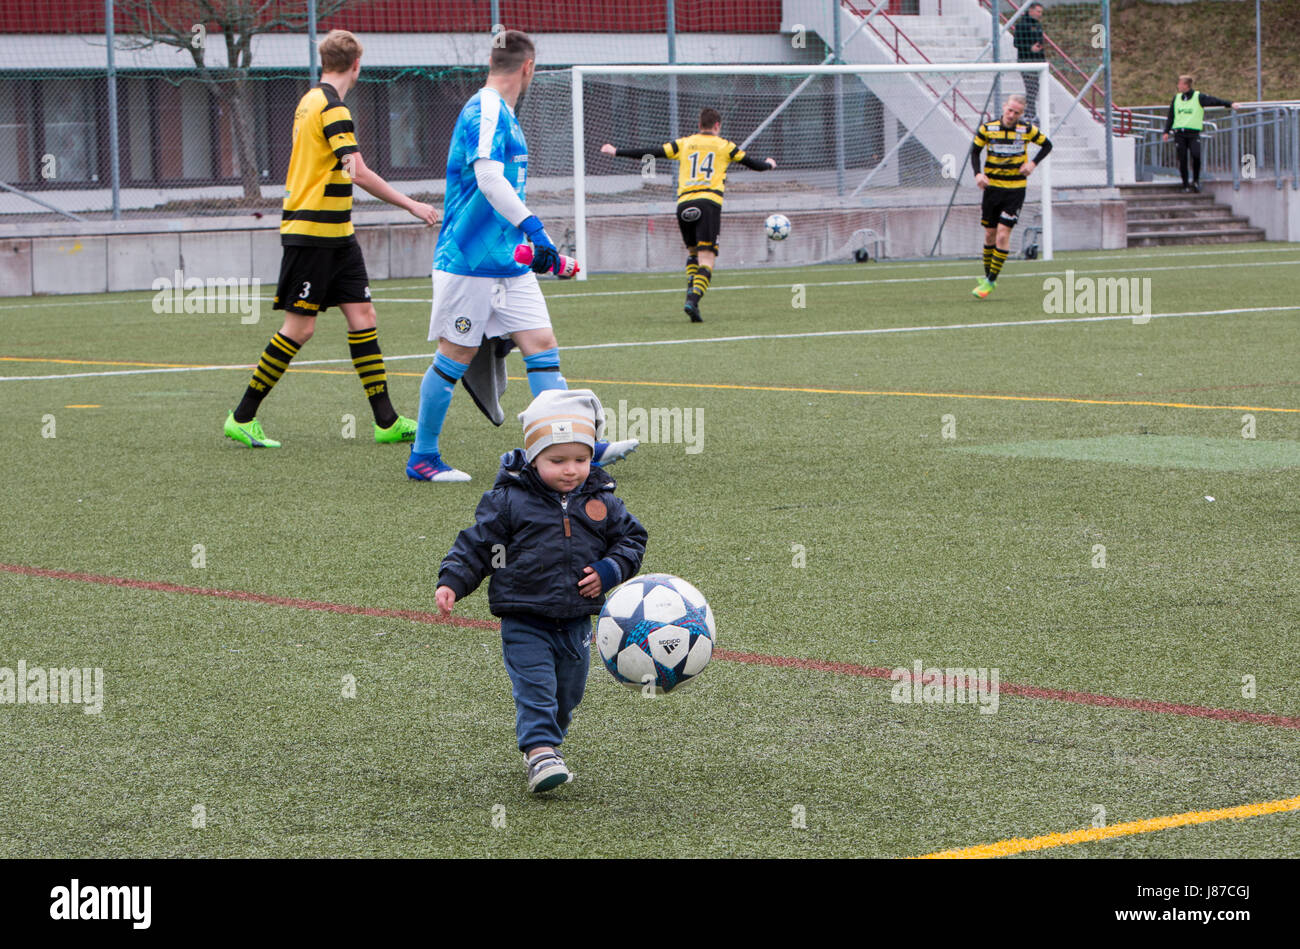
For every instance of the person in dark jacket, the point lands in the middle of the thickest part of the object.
(1028, 37)
(1186, 119)
(555, 538)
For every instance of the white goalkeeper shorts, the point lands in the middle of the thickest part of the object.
(465, 309)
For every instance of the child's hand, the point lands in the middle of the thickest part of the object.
(446, 598)
(590, 584)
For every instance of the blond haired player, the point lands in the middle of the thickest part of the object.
(322, 264)
(1005, 179)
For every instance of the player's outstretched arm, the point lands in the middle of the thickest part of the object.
(766, 164)
(366, 179)
(658, 151)
(1214, 102)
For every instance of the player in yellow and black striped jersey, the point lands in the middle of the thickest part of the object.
(1004, 179)
(322, 264)
(318, 189)
(702, 163)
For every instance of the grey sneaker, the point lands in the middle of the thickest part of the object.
(546, 771)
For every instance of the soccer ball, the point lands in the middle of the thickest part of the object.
(777, 227)
(658, 629)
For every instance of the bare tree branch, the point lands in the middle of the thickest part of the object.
(239, 21)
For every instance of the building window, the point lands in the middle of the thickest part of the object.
(16, 146)
(68, 119)
(408, 146)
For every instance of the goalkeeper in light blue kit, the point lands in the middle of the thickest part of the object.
(479, 290)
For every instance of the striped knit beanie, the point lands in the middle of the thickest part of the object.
(562, 415)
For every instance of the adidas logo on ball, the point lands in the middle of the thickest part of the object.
(655, 632)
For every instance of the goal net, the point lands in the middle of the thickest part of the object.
(871, 161)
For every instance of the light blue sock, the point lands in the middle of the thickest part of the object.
(435, 398)
(544, 371)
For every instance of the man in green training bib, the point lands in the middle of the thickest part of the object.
(1186, 119)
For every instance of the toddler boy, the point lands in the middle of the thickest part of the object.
(555, 539)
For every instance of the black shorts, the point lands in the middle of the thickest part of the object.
(313, 279)
(700, 221)
(1001, 206)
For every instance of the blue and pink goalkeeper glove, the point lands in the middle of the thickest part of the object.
(546, 258)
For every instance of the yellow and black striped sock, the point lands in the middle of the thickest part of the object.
(273, 364)
(701, 285)
(369, 363)
(988, 257)
(692, 266)
(995, 266)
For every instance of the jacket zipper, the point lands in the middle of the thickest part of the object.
(564, 505)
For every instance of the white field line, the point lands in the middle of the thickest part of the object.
(911, 264)
(634, 344)
(933, 278)
(777, 286)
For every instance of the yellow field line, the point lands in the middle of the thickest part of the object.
(743, 388)
(1005, 848)
(933, 395)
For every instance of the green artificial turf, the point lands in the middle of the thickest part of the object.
(945, 490)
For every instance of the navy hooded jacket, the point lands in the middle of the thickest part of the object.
(546, 540)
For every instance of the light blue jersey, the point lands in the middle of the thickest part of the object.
(475, 240)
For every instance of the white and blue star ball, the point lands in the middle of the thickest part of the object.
(658, 629)
(777, 227)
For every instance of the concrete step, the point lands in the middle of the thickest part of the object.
(939, 33)
(1224, 222)
(1161, 214)
(1144, 189)
(1163, 239)
(1169, 199)
(1166, 211)
(1075, 156)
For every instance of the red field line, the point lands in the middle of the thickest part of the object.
(726, 655)
(1025, 691)
(415, 616)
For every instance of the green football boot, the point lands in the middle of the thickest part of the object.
(249, 433)
(403, 430)
(983, 288)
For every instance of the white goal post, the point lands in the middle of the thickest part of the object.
(929, 111)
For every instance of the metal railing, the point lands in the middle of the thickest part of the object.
(1071, 75)
(1261, 140)
(896, 47)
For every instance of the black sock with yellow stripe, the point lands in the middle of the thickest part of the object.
(701, 285)
(692, 266)
(275, 360)
(369, 363)
(995, 266)
(988, 257)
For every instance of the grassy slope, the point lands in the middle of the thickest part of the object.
(1213, 40)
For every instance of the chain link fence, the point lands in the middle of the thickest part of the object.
(205, 90)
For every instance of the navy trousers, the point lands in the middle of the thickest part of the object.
(547, 660)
